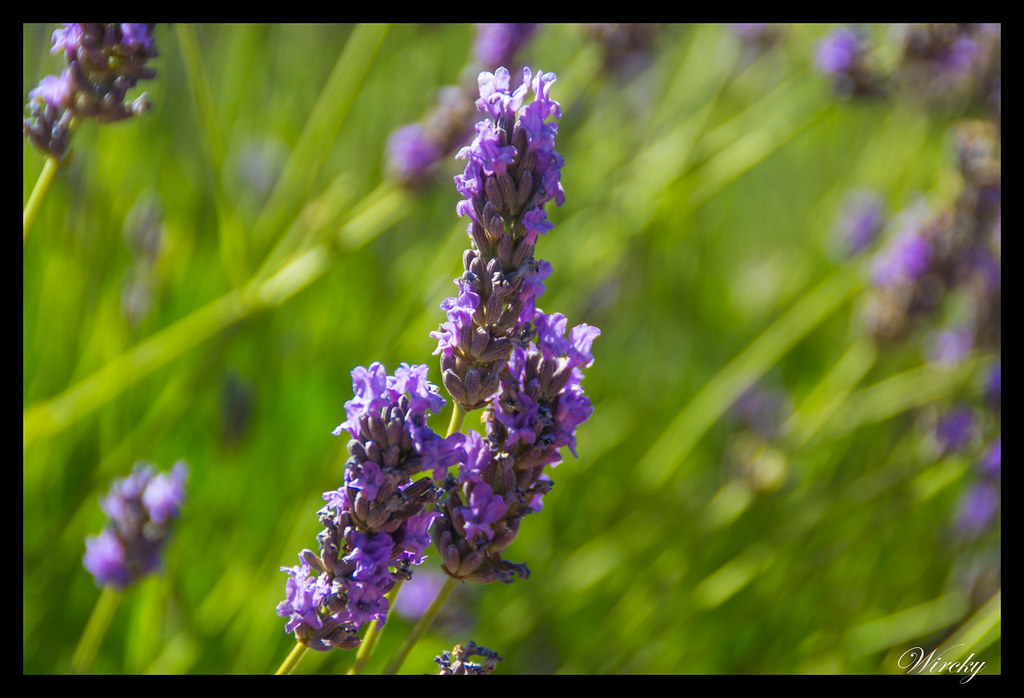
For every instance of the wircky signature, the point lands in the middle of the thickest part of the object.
(915, 657)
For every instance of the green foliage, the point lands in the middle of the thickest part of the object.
(701, 193)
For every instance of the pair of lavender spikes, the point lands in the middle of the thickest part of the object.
(140, 509)
(104, 62)
(498, 352)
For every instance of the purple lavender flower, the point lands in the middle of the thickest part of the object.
(861, 221)
(960, 56)
(496, 44)
(844, 58)
(836, 53)
(303, 595)
(104, 62)
(137, 37)
(512, 171)
(993, 386)
(106, 560)
(412, 152)
(991, 463)
(978, 508)
(955, 430)
(376, 523)
(54, 91)
(68, 39)
(905, 260)
(951, 345)
(140, 509)
(945, 62)
(762, 410)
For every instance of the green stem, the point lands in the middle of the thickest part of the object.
(458, 417)
(35, 200)
(421, 627)
(291, 660)
(95, 630)
(370, 641)
(233, 247)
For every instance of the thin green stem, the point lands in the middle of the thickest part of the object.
(458, 417)
(425, 622)
(35, 200)
(45, 419)
(231, 230)
(288, 665)
(95, 630)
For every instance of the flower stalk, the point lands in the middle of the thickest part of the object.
(35, 199)
(95, 630)
(425, 621)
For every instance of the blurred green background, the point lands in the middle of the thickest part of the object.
(201, 280)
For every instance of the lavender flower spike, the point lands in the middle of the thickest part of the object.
(140, 509)
(104, 62)
(512, 172)
(376, 523)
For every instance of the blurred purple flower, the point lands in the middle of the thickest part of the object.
(412, 151)
(106, 561)
(139, 509)
(836, 53)
(496, 44)
(993, 386)
(992, 462)
(906, 259)
(955, 430)
(978, 508)
(958, 59)
(55, 91)
(418, 593)
(861, 220)
(951, 345)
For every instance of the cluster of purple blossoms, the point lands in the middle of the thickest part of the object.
(415, 150)
(498, 350)
(376, 525)
(943, 62)
(104, 61)
(456, 662)
(140, 509)
(844, 57)
(952, 252)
